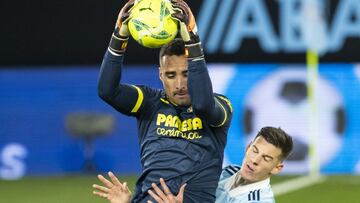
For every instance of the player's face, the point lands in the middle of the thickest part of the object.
(262, 160)
(174, 76)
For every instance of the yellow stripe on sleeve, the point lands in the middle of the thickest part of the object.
(225, 113)
(227, 102)
(139, 101)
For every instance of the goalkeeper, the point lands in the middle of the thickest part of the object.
(182, 129)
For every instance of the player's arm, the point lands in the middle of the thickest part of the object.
(214, 109)
(125, 98)
(204, 103)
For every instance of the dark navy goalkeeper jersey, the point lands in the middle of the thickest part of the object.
(182, 144)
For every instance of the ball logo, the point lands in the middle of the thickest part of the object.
(151, 24)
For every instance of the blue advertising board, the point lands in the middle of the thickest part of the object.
(36, 102)
(33, 110)
(276, 95)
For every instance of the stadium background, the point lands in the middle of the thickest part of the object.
(50, 57)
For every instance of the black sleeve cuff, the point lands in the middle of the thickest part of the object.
(118, 44)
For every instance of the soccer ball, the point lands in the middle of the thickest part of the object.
(280, 100)
(151, 24)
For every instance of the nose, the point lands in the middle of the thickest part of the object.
(180, 83)
(256, 159)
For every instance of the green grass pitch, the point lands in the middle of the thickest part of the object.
(78, 189)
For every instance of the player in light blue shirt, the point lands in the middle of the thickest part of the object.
(254, 192)
(249, 183)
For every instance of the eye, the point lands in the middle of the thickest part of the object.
(267, 159)
(170, 75)
(255, 150)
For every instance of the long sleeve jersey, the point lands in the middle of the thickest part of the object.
(182, 144)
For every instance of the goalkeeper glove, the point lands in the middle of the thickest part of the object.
(120, 37)
(188, 29)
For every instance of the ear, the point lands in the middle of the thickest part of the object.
(277, 168)
(160, 74)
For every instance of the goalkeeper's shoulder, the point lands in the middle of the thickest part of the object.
(224, 101)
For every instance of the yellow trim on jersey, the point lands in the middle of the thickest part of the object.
(139, 101)
(168, 101)
(172, 102)
(164, 100)
(225, 113)
(227, 102)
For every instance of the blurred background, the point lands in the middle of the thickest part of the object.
(292, 64)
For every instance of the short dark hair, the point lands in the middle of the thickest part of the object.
(278, 138)
(175, 47)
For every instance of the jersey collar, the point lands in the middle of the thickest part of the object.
(166, 100)
(244, 188)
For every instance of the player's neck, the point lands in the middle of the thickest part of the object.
(239, 181)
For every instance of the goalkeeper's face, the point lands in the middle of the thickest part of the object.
(173, 73)
(262, 159)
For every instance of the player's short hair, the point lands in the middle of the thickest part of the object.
(278, 138)
(175, 47)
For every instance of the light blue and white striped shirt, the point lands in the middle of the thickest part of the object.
(258, 192)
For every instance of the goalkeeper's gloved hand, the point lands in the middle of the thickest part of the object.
(120, 37)
(188, 29)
